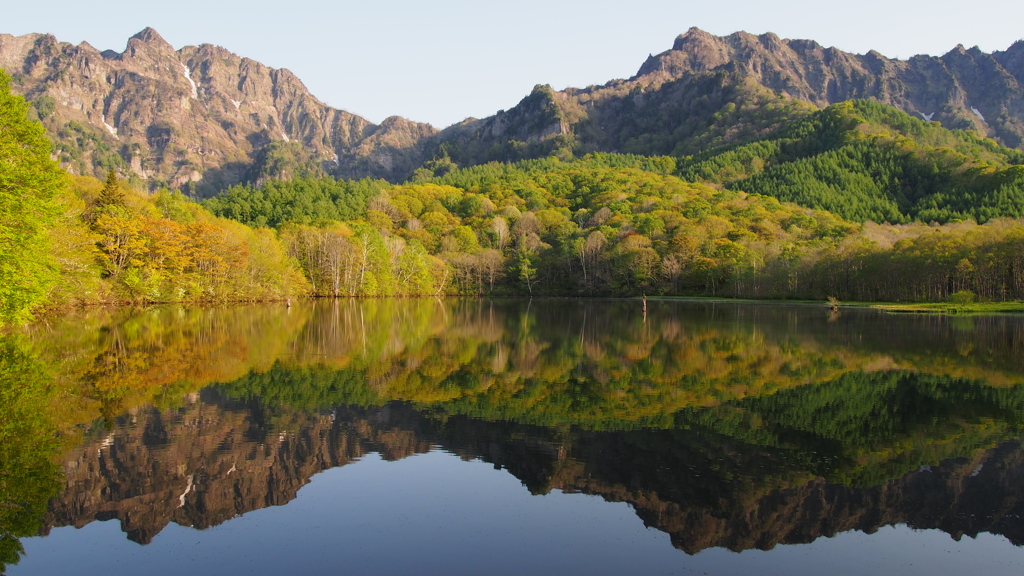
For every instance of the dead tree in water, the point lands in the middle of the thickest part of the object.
(833, 303)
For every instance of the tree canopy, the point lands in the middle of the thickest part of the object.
(29, 183)
(867, 161)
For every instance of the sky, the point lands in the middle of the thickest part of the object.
(444, 60)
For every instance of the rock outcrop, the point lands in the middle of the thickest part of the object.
(963, 88)
(202, 117)
(709, 90)
(196, 115)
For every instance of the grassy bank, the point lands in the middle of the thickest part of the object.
(950, 308)
(904, 308)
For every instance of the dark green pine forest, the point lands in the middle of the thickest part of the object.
(866, 161)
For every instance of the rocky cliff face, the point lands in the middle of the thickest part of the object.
(963, 88)
(214, 459)
(709, 90)
(195, 115)
(203, 117)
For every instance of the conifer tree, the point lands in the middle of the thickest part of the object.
(111, 195)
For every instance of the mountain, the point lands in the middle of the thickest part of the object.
(964, 89)
(204, 118)
(199, 115)
(708, 91)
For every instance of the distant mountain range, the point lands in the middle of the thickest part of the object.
(206, 118)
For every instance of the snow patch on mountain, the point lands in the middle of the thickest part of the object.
(188, 76)
(111, 129)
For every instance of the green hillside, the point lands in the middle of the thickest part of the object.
(867, 161)
(612, 224)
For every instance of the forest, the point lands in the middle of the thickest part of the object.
(618, 225)
(857, 201)
(867, 161)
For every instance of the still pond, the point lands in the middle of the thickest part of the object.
(423, 436)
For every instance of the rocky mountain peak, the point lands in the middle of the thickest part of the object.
(772, 42)
(149, 43)
(194, 118)
(202, 117)
(149, 35)
(693, 36)
(958, 49)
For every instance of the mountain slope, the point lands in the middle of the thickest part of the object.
(868, 161)
(709, 90)
(197, 115)
(205, 118)
(949, 86)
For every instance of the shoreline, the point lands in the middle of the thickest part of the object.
(931, 308)
(942, 308)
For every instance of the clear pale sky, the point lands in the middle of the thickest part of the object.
(443, 60)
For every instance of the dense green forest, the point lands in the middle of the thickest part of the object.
(857, 201)
(867, 161)
(610, 224)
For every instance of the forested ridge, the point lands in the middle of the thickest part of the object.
(866, 161)
(614, 224)
(857, 201)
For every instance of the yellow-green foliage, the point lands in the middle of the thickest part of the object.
(165, 248)
(29, 184)
(498, 361)
(621, 225)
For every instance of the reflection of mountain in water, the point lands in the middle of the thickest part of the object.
(700, 510)
(723, 424)
(214, 459)
(204, 464)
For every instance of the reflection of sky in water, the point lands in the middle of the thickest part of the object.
(437, 514)
(771, 424)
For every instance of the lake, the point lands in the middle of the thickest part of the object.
(509, 437)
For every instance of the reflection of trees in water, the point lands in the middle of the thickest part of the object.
(871, 397)
(596, 364)
(866, 428)
(533, 361)
(29, 475)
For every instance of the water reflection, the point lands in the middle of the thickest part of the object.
(722, 425)
(209, 461)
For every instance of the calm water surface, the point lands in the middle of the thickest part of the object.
(552, 437)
